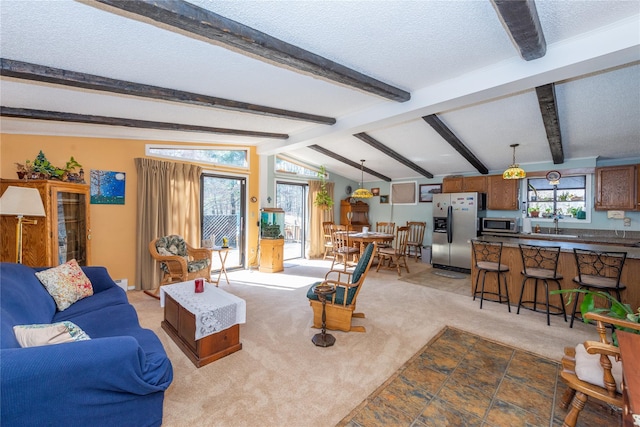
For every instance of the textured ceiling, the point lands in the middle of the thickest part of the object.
(454, 57)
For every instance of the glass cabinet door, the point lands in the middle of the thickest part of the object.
(71, 228)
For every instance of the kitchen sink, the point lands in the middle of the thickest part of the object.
(570, 236)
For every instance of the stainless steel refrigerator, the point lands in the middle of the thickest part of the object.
(455, 222)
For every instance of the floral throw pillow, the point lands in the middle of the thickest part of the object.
(45, 334)
(66, 283)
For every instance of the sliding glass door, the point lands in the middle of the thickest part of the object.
(292, 198)
(223, 212)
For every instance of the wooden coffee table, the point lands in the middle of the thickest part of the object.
(182, 306)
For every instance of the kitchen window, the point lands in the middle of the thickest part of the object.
(569, 198)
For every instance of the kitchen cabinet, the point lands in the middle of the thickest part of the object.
(616, 188)
(355, 213)
(474, 184)
(502, 194)
(63, 234)
(452, 184)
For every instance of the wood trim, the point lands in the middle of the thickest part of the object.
(26, 113)
(41, 73)
(549, 110)
(344, 160)
(563, 172)
(520, 20)
(437, 124)
(196, 22)
(391, 153)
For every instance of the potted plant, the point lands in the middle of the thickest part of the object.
(534, 211)
(323, 200)
(24, 170)
(616, 309)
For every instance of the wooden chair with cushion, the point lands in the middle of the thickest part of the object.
(395, 257)
(416, 237)
(598, 271)
(340, 309)
(328, 240)
(343, 251)
(593, 369)
(179, 261)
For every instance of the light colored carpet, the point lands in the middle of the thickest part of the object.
(280, 378)
(443, 280)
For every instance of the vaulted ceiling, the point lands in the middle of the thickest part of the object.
(416, 88)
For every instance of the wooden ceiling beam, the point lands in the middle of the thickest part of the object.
(344, 160)
(200, 23)
(391, 153)
(25, 113)
(549, 110)
(41, 73)
(453, 140)
(520, 20)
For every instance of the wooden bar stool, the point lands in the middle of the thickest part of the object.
(540, 263)
(488, 260)
(598, 271)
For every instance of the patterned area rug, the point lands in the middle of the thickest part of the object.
(462, 379)
(448, 281)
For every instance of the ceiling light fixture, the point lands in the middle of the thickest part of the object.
(362, 193)
(514, 171)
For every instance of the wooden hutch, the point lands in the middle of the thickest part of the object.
(63, 234)
(359, 212)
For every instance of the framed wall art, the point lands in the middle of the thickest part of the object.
(428, 190)
(375, 191)
(107, 187)
(384, 199)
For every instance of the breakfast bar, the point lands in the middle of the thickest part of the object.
(566, 264)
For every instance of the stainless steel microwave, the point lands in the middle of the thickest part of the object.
(500, 225)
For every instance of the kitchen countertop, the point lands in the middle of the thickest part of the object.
(568, 242)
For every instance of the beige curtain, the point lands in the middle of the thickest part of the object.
(168, 203)
(315, 242)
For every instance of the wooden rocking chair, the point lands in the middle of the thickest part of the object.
(341, 308)
(593, 369)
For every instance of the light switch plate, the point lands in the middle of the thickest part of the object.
(615, 214)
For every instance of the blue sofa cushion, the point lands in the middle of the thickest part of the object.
(24, 301)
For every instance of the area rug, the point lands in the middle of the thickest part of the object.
(462, 379)
(442, 280)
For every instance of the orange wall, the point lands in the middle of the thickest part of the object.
(113, 227)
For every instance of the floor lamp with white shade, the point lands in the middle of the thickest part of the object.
(21, 201)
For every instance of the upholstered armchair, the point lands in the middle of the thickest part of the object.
(340, 309)
(179, 261)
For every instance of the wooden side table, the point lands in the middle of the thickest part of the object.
(223, 252)
(323, 339)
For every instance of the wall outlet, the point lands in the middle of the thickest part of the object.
(615, 214)
(627, 222)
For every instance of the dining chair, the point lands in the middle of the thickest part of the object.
(328, 240)
(416, 237)
(488, 259)
(343, 251)
(394, 258)
(540, 265)
(599, 271)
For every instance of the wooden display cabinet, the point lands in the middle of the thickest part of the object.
(271, 255)
(63, 234)
(359, 211)
(616, 188)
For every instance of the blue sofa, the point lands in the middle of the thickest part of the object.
(118, 377)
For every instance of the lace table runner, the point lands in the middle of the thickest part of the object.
(215, 310)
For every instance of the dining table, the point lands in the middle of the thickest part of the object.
(363, 239)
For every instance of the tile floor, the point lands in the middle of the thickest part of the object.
(461, 379)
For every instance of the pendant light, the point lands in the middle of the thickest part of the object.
(514, 171)
(362, 193)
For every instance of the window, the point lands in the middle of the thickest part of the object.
(403, 193)
(569, 198)
(214, 156)
(291, 167)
